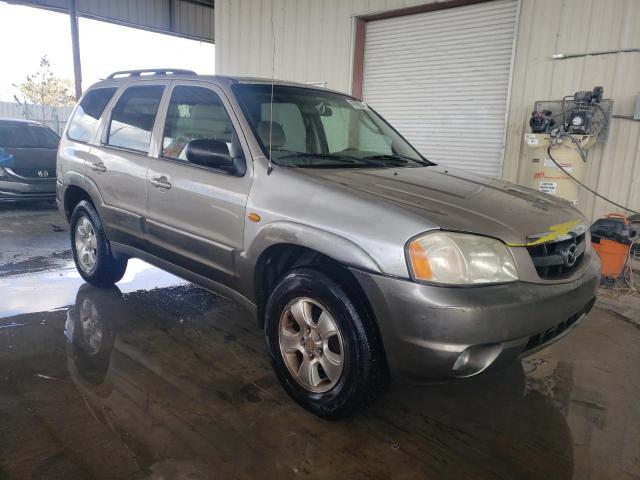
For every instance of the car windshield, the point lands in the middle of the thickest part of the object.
(27, 135)
(312, 128)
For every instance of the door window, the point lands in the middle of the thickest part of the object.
(133, 117)
(27, 135)
(15, 136)
(87, 115)
(195, 113)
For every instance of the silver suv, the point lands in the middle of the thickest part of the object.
(360, 258)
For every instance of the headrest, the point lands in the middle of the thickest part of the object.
(208, 112)
(276, 132)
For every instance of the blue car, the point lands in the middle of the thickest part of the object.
(27, 161)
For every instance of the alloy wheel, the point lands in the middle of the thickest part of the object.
(86, 244)
(311, 345)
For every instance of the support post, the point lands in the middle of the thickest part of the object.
(75, 45)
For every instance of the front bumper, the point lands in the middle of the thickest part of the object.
(425, 329)
(17, 191)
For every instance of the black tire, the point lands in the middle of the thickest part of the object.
(364, 373)
(108, 269)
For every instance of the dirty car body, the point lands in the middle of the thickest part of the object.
(27, 161)
(452, 273)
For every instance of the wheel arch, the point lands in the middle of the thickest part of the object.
(80, 188)
(280, 258)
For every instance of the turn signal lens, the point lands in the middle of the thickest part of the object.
(460, 259)
(420, 261)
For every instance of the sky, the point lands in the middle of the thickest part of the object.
(104, 48)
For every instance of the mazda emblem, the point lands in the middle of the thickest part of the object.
(569, 255)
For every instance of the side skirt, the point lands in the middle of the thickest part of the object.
(204, 282)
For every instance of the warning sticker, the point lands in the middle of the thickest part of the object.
(549, 163)
(531, 139)
(547, 187)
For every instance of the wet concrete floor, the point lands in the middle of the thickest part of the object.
(160, 379)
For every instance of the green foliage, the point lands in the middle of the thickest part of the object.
(44, 88)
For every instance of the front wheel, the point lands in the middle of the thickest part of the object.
(323, 346)
(91, 252)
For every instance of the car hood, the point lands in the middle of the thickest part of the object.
(459, 201)
(44, 158)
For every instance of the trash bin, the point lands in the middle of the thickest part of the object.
(612, 237)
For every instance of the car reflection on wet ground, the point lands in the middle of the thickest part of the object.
(161, 379)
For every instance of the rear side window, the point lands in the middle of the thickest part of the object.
(86, 117)
(44, 136)
(133, 116)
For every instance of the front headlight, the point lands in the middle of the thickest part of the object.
(460, 259)
(2, 172)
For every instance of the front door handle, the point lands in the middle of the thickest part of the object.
(98, 167)
(160, 182)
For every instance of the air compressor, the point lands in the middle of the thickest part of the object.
(570, 126)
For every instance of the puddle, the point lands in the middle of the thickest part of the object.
(158, 378)
(54, 289)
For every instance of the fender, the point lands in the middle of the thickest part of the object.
(110, 216)
(291, 233)
(71, 178)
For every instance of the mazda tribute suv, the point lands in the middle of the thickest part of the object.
(359, 258)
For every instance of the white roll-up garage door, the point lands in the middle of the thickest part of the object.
(442, 78)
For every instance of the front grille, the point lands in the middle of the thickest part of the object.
(554, 260)
(551, 333)
(39, 173)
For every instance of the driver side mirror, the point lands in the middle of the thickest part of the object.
(213, 154)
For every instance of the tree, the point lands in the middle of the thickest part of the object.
(44, 88)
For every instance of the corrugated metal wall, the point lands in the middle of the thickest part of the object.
(313, 37)
(314, 42)
(573, 26)
(185, 18)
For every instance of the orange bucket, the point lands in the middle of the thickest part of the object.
(613, 256)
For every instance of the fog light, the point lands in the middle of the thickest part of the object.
(462, 361)
(475, 359)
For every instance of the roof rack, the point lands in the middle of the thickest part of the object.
(151, 71)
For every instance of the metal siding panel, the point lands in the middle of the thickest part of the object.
(313, 38)
(574, 26)
(193, 20)
(545, 26)
(198, 21)
(432, 74)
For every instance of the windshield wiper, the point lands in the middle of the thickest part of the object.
(325, 156)
(387, 158)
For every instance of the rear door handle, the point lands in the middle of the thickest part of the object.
(98, 167)
(160, 182)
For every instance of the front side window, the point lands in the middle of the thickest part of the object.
(312, 128)
(15, 136)
(195, 113)
(86, 117)
(133, 117)
(26, 135)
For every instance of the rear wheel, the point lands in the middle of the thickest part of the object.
(91, 252)
(323, 346)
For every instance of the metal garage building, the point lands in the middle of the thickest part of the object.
(458, 78)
